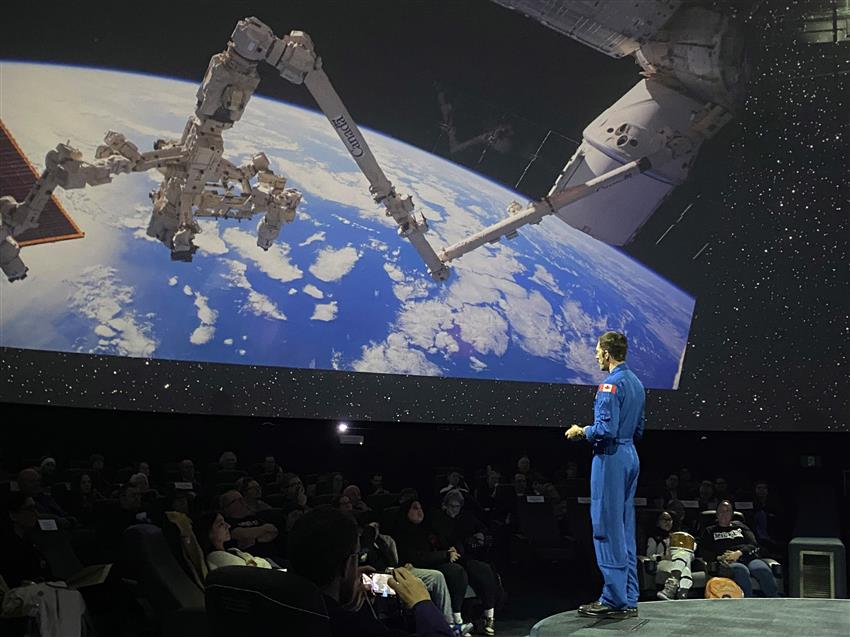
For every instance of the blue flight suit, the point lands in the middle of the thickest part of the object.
(618, 422)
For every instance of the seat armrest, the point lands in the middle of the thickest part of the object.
(647, 564)
(775, 567)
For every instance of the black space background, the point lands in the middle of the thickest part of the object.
(768, 347)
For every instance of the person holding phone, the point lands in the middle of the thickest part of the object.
(324, 547)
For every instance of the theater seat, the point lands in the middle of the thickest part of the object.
(174, 597)
(247, 601)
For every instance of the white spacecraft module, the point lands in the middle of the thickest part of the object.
(692, 58)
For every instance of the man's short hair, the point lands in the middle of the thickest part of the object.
(453, 496)
(727, 503)
(320, 543)
(615, 344)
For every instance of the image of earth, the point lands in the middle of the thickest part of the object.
(340, 289)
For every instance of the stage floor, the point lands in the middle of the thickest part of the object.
(753, 617)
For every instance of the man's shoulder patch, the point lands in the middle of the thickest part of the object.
(608, 388)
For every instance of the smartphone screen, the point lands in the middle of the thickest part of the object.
(377, 582)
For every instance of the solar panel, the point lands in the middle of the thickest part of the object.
(17, 175)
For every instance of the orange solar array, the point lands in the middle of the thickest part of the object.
(17, 175)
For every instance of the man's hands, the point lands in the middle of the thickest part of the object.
(575, 432)
(454, 556)
(729, 557)
(410, 589)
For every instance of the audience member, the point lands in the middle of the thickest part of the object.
(769, 521)
(295, 499)
(674, 562)
(272, 471)
(29, 483)
(520, 484)
(379, 551)
(416, 547)
(376, 484)
(523, 465)
(227, 461)
(20, 560)
(47, 469)
(458, 529)
(213, 532)
(324, 548)
(253, 493)
(82, 500)
(730, 548)
(101, 478)
(455, 482)
(352, 492)
(707, 498)
(246, 528)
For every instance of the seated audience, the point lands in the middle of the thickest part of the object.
(29, 483)
(47, 469)
(83, 498)
(417, 546)
(101, 478)
(272, 471)
(352, 492)
(769, 521)
(674, 562)
(252, 492)
(295, 502)
(455, 482)
(324, 548)
(227, 461)
(523, 466)
(186, 473)
(376, 484)
(730, 549)
(213, 532)
(20, 560)
(707, 499)
(246, 528)
(521, 484)
(380, 552)
(457, 527)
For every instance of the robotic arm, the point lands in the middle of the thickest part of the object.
(66, 168)
(295, 59)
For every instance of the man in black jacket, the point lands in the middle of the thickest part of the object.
(324, 548)
(733, 547)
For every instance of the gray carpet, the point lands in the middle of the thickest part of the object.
(754, 617)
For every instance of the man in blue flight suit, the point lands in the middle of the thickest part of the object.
(618, 422)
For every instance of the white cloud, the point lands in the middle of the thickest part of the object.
(102, 298)
(545, 278)
(275, 262)
(395, 356)
(477, 365)
(394, 272)
(172, 281)
(104, 331)
(187, 290)
(313, 291)
(257, 303)
(205, 332)
(318, 236)
(228, 341)
(331, 265)
(208, 240)
(292, 292)
(324, 312)
(533, 325)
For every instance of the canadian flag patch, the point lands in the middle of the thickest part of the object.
(612, 389)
